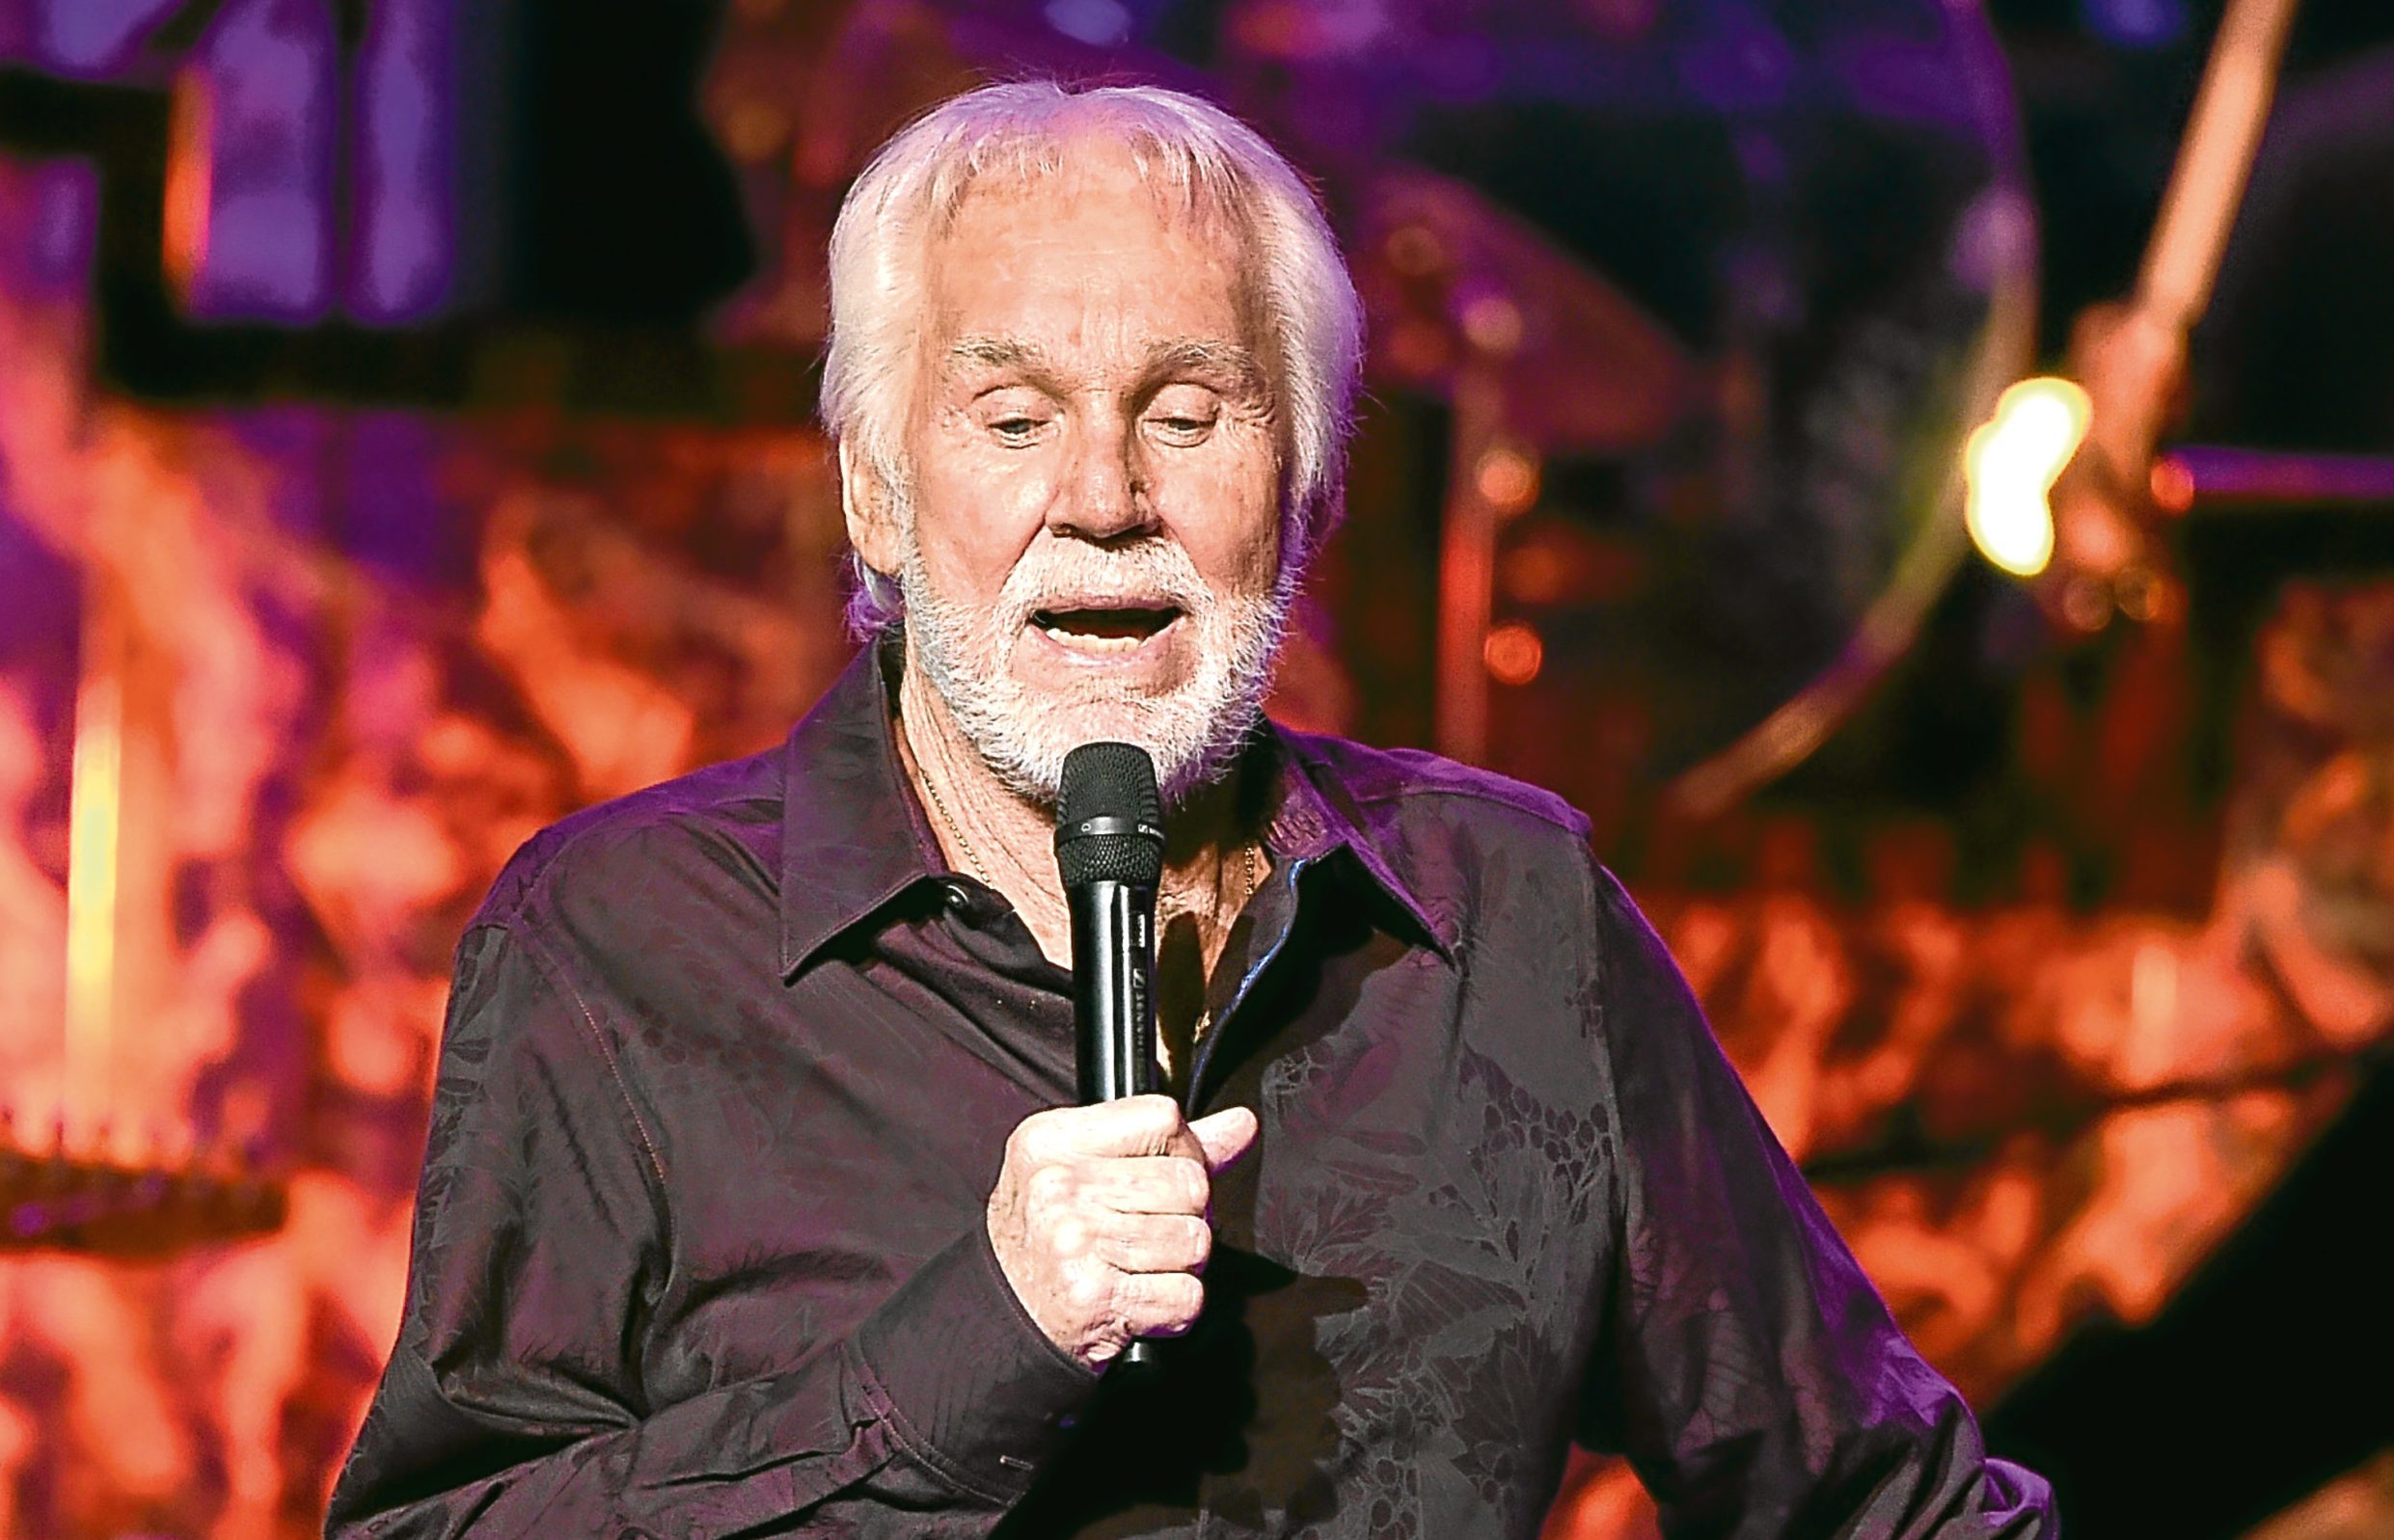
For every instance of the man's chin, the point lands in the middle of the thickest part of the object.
(1174, 739)
(1071, 687)
(1069, 725)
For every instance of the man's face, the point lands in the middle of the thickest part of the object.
(1094, 502)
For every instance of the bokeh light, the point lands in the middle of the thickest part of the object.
(2011, 463)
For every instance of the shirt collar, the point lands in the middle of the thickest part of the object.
(855, 836)
(1315, 813)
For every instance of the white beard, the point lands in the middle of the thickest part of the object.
(1193, 733)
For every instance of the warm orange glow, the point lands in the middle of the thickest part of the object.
(1507, 479)
(2214, 161)
(2010, 465)
(2172, 485)
(96, 799)
(1514, 653)
(189, 177)
(1493, 323)
(587, 653)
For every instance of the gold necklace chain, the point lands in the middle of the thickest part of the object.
(939, 806)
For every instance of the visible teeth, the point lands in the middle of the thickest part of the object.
(1096, 644)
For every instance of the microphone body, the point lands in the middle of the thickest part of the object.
(1114, 1006)
(1109, 844)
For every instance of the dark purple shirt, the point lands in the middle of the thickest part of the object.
(727, 1076)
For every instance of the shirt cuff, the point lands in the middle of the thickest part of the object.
(971, 1381)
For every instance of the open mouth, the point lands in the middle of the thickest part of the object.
(1104, 628)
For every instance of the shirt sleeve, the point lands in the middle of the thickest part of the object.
(1746, 1365)
(513, 1402)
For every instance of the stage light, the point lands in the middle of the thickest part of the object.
(2172, 485)
(1507, 479)
(1514, 653)
(2010, 465)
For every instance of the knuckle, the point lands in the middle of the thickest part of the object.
(1051, 1185)
(1184, 1296)
(1158, 1113)
(1087, 1290)
(1195, 1186)
(1070, 1239)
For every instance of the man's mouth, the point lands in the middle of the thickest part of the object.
(1104, 628)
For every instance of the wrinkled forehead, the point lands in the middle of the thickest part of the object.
(1092, 248)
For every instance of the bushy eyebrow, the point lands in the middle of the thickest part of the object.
(999, 353)
(1227, 362)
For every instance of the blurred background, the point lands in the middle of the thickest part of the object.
(405, 439)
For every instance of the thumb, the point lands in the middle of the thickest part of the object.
(1225, 1135)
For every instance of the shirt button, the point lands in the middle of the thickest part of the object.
(957, 897)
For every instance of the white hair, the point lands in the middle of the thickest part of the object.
(1216, 165)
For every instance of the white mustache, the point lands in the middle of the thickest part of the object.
(1154, 571)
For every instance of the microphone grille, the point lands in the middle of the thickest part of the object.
(1115, 782)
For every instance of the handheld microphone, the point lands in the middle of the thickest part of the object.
(1109, 849)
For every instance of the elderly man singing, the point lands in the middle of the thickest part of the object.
(754, 1203)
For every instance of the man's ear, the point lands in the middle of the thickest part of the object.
(872, 522)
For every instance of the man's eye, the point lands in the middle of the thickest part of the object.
(1183, 429)
(1016, 430)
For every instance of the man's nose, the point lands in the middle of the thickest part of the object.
(1105, 495)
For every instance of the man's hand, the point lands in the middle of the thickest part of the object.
(1100, 1218)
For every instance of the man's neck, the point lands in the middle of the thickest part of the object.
(1009, 842)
